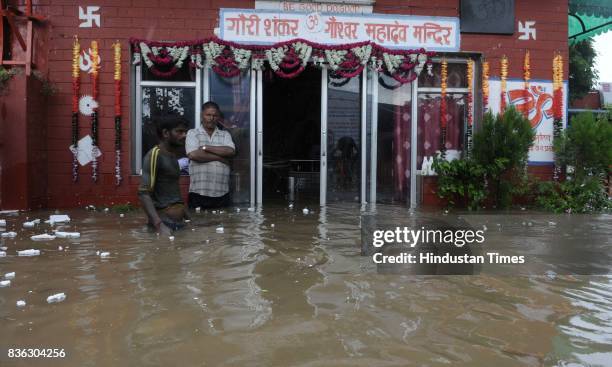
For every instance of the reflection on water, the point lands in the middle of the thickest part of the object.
(281, 288)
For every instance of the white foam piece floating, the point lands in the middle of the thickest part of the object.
(272, 225)
(220, 230)
(198, 209)
(171, 238)
(58, 297)
(59, 218)
(28, 224)
(3, 248)
(2, 254)
(9, 235)
(42, 237)
(291, 206)
(9, 212)
(29, 252)
(121, 215)
(10, 275)
(251, 209)
(60, 248)
(5, 283)
(237, 210)
(305, 211)
(552, 224)
(21, 303)
(106, 210)
(104, 254)
(2, 222)
(61, 234)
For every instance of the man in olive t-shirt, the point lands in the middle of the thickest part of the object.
(159, 190)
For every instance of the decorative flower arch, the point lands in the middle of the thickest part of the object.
(285, 59)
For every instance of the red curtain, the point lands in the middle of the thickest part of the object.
(428, 135)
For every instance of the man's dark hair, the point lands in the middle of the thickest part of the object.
(210, 104)
(168, 123)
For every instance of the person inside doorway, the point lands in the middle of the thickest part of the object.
(210, 150)
(345, 154)
(159, 191)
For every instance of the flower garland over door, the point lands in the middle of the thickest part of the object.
(286, 59)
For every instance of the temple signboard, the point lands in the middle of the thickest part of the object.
(391, 31)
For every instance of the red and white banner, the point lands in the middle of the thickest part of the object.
(538, 102)
(391, 31)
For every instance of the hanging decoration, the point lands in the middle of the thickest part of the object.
(504, 78)
(95, 67)
(286, 59)
(76, 85)
(526, 78)
(557, 104)
(485, 85)
(443, 79)
(470, 105)
(117, 79)
(164, 61)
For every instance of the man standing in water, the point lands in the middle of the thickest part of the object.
(159, 190)
(209, 149)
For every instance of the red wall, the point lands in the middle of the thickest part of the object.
(190, 19)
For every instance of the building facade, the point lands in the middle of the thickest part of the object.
(318, 135)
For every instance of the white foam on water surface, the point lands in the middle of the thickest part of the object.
(10, 275)
(5, 283)
(8, 235)
(21, 303)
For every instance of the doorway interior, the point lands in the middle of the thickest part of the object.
(291, 137)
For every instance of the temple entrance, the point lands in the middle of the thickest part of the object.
(292, 138)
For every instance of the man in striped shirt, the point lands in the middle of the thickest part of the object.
(210, 150)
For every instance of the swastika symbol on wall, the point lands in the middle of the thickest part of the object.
(526, 30)
(89, 16)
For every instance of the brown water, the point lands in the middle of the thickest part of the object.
(279, 288)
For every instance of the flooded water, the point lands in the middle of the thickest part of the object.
(280, 288)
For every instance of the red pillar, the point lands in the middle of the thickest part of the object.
(23, 147)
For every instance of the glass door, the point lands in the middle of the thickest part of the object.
(343, 136)
(234, 97)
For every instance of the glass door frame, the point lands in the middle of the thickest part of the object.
(257, 139)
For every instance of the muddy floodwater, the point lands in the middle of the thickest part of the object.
(281, 288)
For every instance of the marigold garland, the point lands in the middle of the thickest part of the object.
(504, 77)
(557, 104)
(470, 104)
(443, 79)
(117, 79)
(526, 78)
(76, 86)
(485, 85)
(94, 116)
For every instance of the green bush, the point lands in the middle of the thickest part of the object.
(586, 146)
(496, 167)
(502, 147)
(461, 182)
(586, 196)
